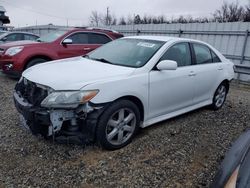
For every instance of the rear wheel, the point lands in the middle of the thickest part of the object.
(35, 62)
(118, 125)
(219, 96)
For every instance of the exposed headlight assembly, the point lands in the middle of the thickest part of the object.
(68, 99)
(14, 50)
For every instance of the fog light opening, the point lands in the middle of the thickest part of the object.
(8, 67)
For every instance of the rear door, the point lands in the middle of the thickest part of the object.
(208, 69)
(172, 90)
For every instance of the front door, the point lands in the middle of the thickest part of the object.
(172, 90)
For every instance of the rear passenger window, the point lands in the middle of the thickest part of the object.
(79, 38)
(179, 53)
(30, 37)
(216, 59)
(202, 54)
(95, 38)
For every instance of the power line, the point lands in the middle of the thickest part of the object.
(41, 13)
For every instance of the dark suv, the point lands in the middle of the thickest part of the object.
(15, 57)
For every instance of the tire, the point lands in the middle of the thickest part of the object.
(118, 125)
(219, 96)
(35, 62)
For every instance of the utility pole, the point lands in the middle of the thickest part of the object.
(107, 18)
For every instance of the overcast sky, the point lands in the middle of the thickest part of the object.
(77, 12)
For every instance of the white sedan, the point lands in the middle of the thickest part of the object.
(129, 83)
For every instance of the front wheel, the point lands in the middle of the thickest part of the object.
(219, 96)
(118, 125)
(35, 62)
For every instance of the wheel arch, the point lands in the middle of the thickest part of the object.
(36, 57)
(226, 82)
(137, 102)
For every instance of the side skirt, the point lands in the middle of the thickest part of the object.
(174, 114)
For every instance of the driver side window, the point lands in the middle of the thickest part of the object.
(79, 38)
(180, 53)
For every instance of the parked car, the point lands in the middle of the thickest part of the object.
(59, 44)
(126, 84)
(2, 32)
(234, 171)
(17, 36)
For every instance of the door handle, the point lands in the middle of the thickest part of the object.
(220, 68)
(192, 73)
(86, 49)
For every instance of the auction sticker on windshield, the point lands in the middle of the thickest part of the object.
(146, 44)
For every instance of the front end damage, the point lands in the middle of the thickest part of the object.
(76, 125)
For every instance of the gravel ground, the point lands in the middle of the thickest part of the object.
(181, 152)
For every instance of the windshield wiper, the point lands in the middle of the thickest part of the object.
(39, 40)
(86, 56)
(102, 60)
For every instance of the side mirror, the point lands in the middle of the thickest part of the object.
(67, 41)
(4, 39)
(167, 65)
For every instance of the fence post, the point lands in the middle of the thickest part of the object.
(180, 32)
(243, 51)
(138, 32)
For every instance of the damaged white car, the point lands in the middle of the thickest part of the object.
(126, 84)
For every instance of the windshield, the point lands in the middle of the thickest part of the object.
(126, 52)
(52, 36)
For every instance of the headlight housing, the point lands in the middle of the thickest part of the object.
(14, 50)
(68, 99)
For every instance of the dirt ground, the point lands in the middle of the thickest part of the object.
(181, 152)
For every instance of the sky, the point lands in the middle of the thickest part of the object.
(77, 12)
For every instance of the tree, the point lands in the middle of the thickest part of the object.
(114, 21)
(95, 18)
(247, 13)
(122, 21)
(130, 20)
(137, 19)
(229, 13)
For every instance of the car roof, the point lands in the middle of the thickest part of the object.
(21, 32)
(162, 38)
(94, 29)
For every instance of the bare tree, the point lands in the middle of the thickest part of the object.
(229, 13)
(247, 13)
(122, 21)
(137, 19)
(95, 18)
(130, 20)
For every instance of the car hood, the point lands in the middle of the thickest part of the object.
(74, 73)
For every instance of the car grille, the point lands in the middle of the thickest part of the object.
(30, 92)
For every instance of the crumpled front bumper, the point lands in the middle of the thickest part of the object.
(37, 119)
(75, 126)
